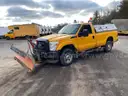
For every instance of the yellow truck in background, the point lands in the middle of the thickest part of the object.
(31, 30)
(70, 40)
(123, 32)
(122, 25)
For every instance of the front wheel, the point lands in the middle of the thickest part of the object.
(8, 38)
(67, 57)
(108, 46)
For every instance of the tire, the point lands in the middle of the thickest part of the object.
(108, 46)
(66, 57)
(8, 38)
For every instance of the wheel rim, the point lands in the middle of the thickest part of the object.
(109, 46)
(68, 58)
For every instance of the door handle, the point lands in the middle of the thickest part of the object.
(93, 37)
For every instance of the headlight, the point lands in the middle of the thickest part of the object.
(53, 46)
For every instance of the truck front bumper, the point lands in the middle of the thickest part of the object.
(46, 56)
(50, 55)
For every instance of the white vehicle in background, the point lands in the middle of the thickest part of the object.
(3, 31)
(41, 30)
(44, 30)
(47, 30)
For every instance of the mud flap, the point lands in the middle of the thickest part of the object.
(24, 59)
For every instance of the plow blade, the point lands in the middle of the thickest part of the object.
(26, 62)
(24, 59)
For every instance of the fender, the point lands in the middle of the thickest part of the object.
(63, 44)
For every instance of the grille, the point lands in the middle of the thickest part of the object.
(43, 46)
(40, 48)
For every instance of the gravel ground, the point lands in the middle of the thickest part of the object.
(104, 74)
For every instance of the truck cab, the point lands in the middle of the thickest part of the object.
(9, 35)
(72, 39)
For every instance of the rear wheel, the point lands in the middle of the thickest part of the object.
(67, 57)
(108, 46)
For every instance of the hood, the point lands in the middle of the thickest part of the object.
(54, 37)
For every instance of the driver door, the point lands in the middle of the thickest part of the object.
(86, 42)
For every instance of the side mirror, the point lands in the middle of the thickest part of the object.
(83, 33)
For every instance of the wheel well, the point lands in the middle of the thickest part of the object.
(68, 46)
(110, 39)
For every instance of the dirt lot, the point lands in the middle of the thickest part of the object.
(99, 75)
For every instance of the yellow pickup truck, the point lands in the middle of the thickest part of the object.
(71, 40)
(74, 38)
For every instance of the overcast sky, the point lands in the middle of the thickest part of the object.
(48, 12)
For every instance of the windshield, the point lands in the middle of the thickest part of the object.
(69, 29)
(10, 32)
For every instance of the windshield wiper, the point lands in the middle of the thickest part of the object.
(62, 33)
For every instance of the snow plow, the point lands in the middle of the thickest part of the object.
(26, 59)
(35, 55)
